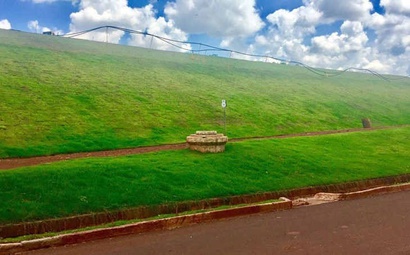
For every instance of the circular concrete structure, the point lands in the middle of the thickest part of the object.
(207, 141)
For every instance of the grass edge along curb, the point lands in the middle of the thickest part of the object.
(145, 226)
(184, 220)
(87, 220)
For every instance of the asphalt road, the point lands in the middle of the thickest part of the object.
(376, 225)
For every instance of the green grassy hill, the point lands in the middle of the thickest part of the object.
(64, 95)
(99, 184)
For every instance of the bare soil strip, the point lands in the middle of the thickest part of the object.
(10, 163)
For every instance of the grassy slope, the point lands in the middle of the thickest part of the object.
(87, 185)
(63, 95)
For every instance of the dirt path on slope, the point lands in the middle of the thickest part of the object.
(11, 163)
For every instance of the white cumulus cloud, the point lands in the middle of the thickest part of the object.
(292, 35)
(396, 6)
(352, 38)
(218, 18)
(337, 50)
(35, 27)
(343, 10)
(357, 38)
(5, 24)
(165, 29)
(94, 14)
(296, 23)
(287, 30)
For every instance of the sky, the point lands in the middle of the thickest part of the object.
(334, 34)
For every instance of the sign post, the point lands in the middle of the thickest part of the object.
(224, 105)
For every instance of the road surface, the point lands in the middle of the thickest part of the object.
(376, 225)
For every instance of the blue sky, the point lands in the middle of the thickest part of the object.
(373, 34)
(57, 14)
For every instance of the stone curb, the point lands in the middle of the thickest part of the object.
(361, 194)
(141, 227)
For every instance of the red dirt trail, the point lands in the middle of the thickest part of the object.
(10, 163)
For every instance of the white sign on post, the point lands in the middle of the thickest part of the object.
(224, 106)
(223, 103)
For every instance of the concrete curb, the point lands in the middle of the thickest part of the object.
(57, 225)
(140, 227)
(185, 220)
(362, 193)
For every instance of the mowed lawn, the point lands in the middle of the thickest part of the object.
(62, 95)
(99, 184)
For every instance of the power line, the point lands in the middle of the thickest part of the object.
(207, 47)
